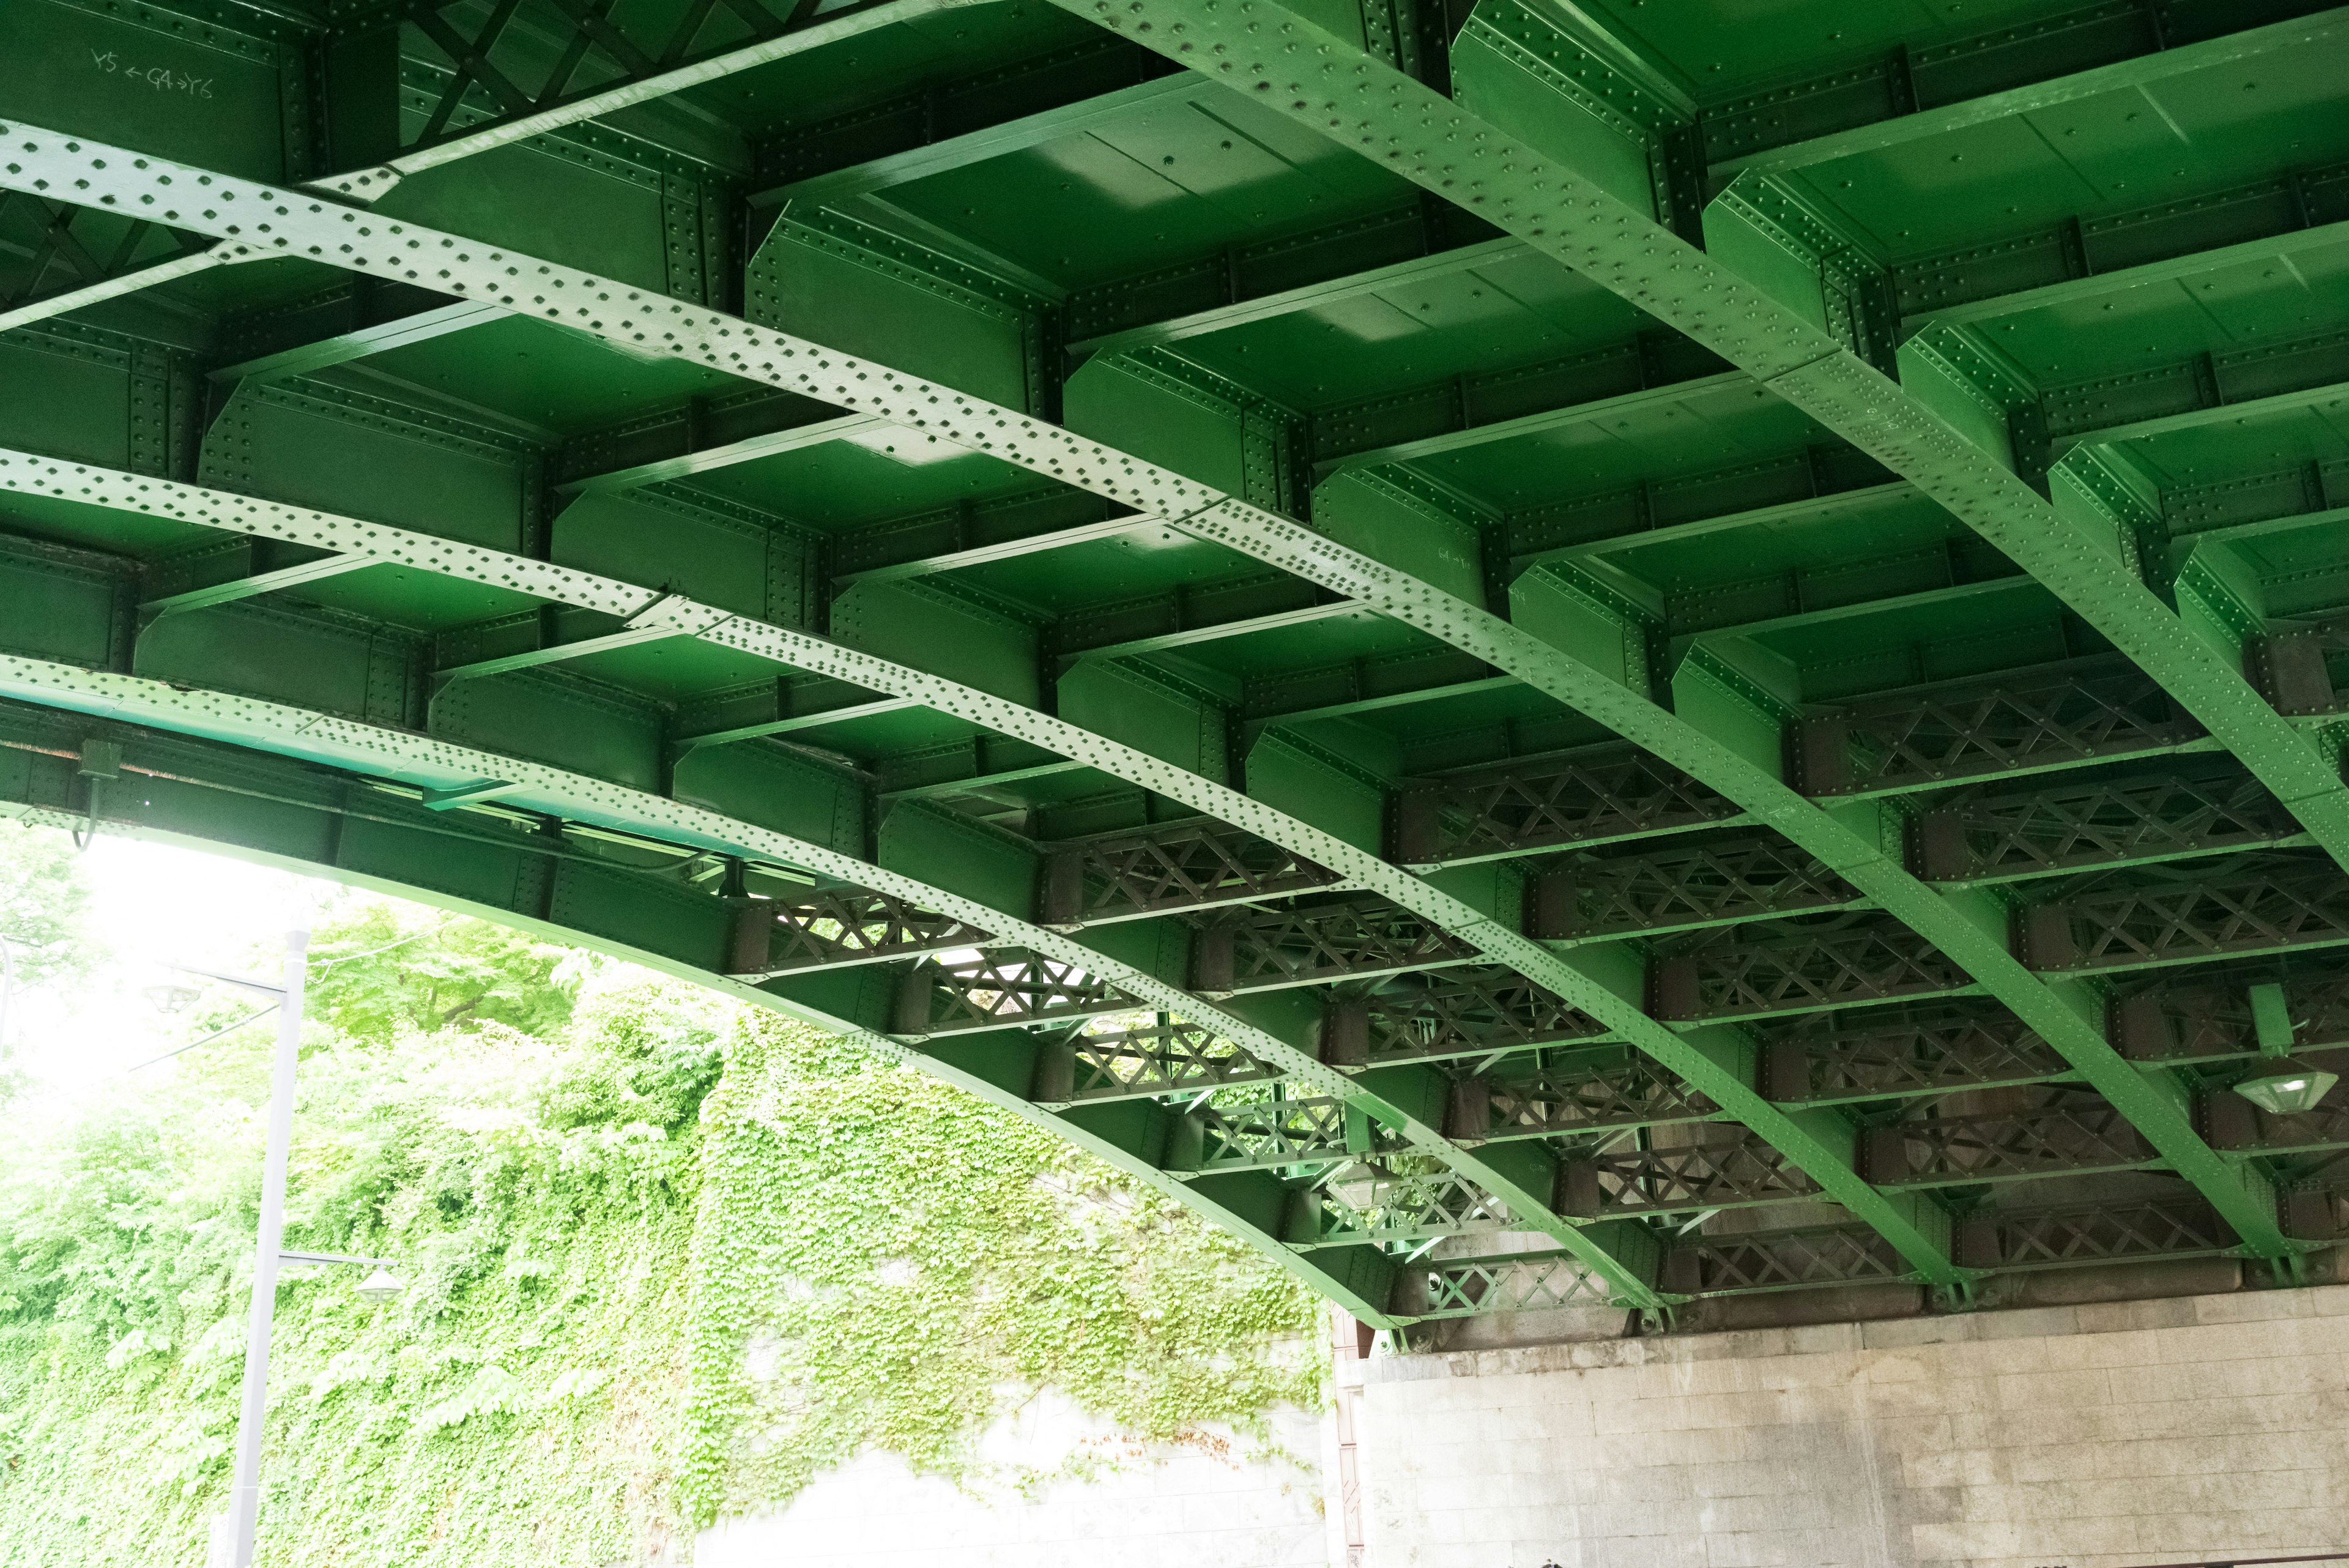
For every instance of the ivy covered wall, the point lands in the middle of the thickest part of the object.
(667, 1257)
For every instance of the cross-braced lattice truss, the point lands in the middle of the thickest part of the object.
(2169, 914)
(1452, 1012)
(1785, 703)
(1165, 1056)
(1793, 966)
(1366, 1201)
(1779, 1260)
(988, 989)
(1734, 1173)
(1280, 1132)
(478, 71)
(1263, 949)
(51, 248)
(2204, 1012)
(1680, 884)
(1597, 797)
(837, 926)
(1996, 835)
(1485, 1287)
(1188, 866)
(2091, 1233)
(1573, 1098)
(1916, 739)
(1903, 1051)
(2068, 1134)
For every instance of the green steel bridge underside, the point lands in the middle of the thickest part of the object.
(1541, 655)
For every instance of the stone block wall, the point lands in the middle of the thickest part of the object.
(2112, 1435)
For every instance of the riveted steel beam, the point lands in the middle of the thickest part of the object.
(319, 814)
(662, 69)
(2081, 260)
(812, 428)
(988, 755)
(1106, 314)
(406, 252)
(962, 556)
(1094, 87)
(675, 615)
(777, 707)
(343, 325)
(1459, 413)
(1913, 95)
(1514, 147)
(170, 597)
(1212, 613)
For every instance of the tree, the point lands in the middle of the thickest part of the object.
(43, 903)
(379, 967)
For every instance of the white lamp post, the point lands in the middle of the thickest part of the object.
(232, 1532)
(245, 1498)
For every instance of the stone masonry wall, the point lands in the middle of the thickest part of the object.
(2198, 1428)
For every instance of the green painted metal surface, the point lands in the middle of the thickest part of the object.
(1550, 657)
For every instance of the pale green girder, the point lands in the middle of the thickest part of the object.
(280, 223)
(1566, 631)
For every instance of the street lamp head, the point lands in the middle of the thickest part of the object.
(170, 997)
(381, 1286)
(1358, 1186)
(2286, 1085)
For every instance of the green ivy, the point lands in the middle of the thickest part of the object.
(882, 1262)
(641, 1292)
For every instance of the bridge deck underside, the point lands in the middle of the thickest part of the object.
(1542, 660)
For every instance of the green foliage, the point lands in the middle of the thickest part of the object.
(882, 1260)
(639, 1292)
(44, 904)
(513, 1406)
(379, 968)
